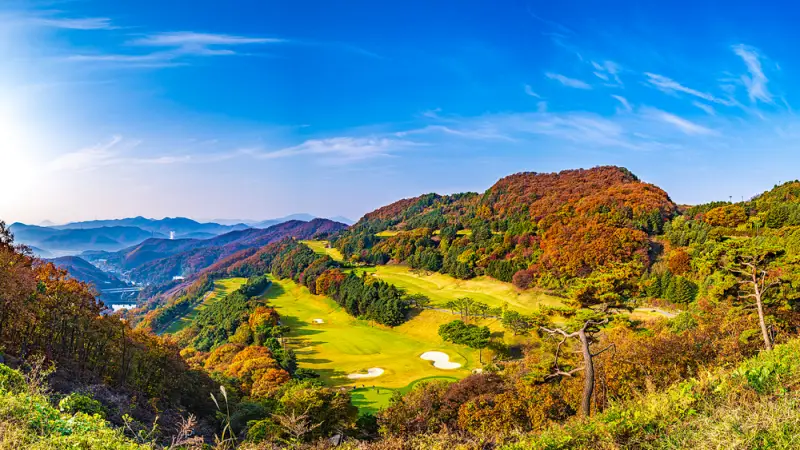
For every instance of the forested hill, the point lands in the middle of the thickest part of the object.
(545, 226)
(82, 270)
(159, 260)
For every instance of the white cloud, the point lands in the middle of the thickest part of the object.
(478, 132)
(191, 39)
(756, 83)
(671, 86)
(529, 91)
(707, 108)
(115, 152)
(686, 126)
(174, 48)
(566, 81)
(608, 71)
(624, 102)
(83, 23)
(340, 150)
(90, 157)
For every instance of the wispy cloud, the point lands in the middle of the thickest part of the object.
(88, 158)
(173, 48)
(684, 125)
(192, 40)
(756, 83)
(671, 86)
(529, 91)
(707, 108)
(608, 71)
(116, 152)
(624, 102)
(340, 150)
(72, 23)
(566, 81)
(483, 132)
(550, 23)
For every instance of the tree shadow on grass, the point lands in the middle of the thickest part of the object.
(314, 360)
(273, 291)
(336, 377)
(371, 400)
(413, 313)
(498, 334)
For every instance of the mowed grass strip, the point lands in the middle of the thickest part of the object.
(323, 248)
(441, 288)
(343, 344)
(221, 289)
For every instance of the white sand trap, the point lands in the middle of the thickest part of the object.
(371, 373)
(440, 360)
(318, 321)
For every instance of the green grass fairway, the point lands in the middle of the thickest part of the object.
(442, 288)
(371, 400)
(344, 345)
(221, 289)
(321, 248)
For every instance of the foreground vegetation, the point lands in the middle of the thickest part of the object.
(28, 420)
(753, 406)
(710, 360)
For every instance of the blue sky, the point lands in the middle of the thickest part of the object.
(115, 109)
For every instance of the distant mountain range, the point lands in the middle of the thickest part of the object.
(181, 226)
(116, 234)
(156, 261)
(49, 240)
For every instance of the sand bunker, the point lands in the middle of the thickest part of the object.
(371, 373)
(440, 360)
(318, 321)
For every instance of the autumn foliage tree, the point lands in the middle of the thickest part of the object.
(596, 296)
(758, 267)
(44, 311)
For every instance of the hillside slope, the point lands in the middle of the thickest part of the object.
(84, 271)
(544, 226)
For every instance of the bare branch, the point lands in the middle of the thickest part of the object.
(611, 346)
(561, 373)
(559, 331)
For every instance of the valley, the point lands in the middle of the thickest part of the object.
(455, 312)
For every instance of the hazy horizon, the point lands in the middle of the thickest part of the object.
(267, 110)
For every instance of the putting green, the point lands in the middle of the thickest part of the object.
(344, 345)
(371, 400)
(442, 288)
(221, 289)
(322, 248)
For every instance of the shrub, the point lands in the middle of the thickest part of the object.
(74, 403)
(263, 431)
(11, 380)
